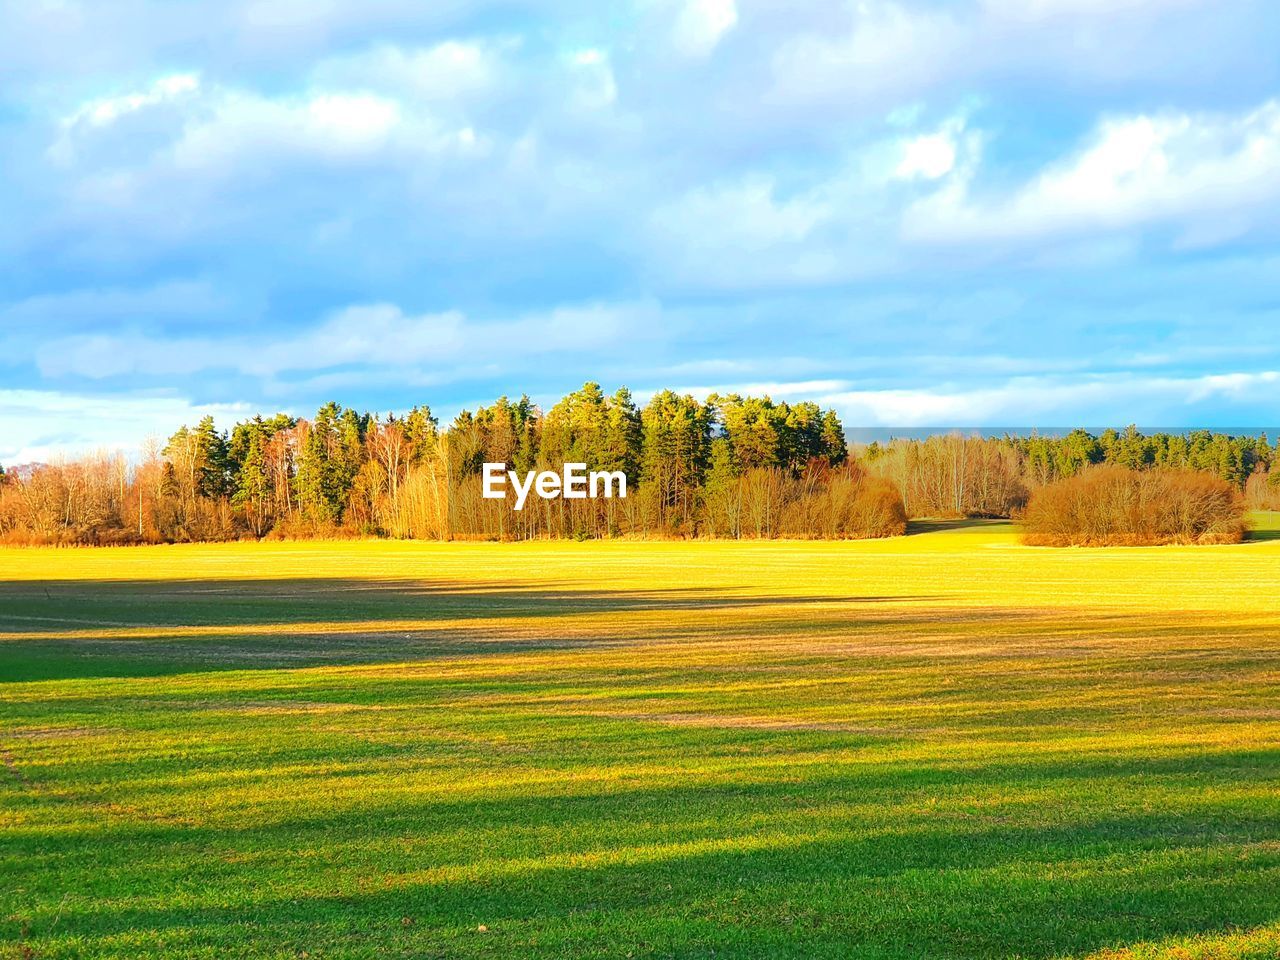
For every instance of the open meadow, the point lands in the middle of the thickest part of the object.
(944, 745)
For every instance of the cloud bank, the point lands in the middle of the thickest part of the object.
(959, 211)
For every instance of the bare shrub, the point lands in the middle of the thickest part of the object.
(846, 505)
(1107, 506)
(954, 476)
(824, 502)
(1262, 491)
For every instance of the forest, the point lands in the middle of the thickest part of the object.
(731, 466)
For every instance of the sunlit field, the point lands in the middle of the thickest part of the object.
(943, 745)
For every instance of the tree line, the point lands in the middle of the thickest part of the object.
(957, 475)
(729, 466)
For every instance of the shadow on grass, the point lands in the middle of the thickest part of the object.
(60, 605)
(951, 524)
(76, 628)
(340, 839)
(83, 629)
(739, 870)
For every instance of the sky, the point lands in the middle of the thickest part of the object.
(919, 212)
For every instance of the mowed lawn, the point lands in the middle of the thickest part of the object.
(944, 745)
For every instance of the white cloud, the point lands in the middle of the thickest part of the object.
(931, 156)
(747, 233)
(778, 390)
(1055, 400)
(39, 425)
(885, 50)
(589, 57)
(246, 126)
(443, 73)
(377, 336)
(1189, 170)
(96, 116)
(749, 210)
(1115, 398)
(203, 162)
(351, 118)
(759, 230)
(103, 111)
(1034, 10)
(183, 300)
(388, 102)
(301, 24)
(889, 49)
(701, 24)
(595, 87)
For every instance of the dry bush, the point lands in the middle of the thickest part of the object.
(844, 504)
(298, 527)
(195, 520)
(68, 502)
(420, 511)
(1108, 506)
(954, 476)
(823, 503)
(99, 500)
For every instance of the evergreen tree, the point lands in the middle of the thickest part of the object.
(573, 431)
(327, 464)
(677, 437)
(623, 436)
(832, 446)
(421, 432)
(212, 479)
(755, 428)
(253, 481)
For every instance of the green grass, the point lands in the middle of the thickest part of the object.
(1264, 525)
(940, 746)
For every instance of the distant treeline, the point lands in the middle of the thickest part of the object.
(956, 475)
(731, 466)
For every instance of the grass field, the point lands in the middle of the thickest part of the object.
(944, 745)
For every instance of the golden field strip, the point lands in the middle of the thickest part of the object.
(936, 746)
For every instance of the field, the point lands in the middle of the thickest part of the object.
(944, 745)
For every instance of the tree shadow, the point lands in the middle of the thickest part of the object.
(738, 869)
(949, 524)
(1262, 536)
(78, 629)
(1007, 852)
(51, 630)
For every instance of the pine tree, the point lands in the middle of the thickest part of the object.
(253, 483)
(623, 436)
(573, 431)
(677, 436)
(324, 476)
(832, 445)
(212, 480)
(421, 433)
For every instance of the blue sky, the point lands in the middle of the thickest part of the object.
(975, 212)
